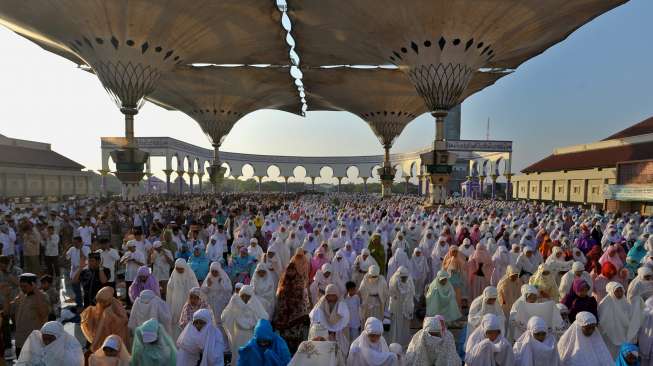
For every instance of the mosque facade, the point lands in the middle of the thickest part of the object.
(615, 173)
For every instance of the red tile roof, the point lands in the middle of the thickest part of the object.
(642, 128)
(599, 158)
(18, 156)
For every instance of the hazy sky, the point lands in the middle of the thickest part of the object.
(596, 82)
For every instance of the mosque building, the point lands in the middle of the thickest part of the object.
(615, 173)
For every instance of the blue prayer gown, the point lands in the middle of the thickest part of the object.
(277, 354)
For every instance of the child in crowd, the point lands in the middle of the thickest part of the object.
(52, 294)
(353, 303)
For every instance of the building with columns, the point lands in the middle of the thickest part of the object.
(615, 173)
(31, 170)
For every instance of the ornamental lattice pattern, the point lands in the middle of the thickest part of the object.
(127, 83)
(440, 85)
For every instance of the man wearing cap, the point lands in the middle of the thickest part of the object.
(133, 260)
(77, 255)
(29, 310)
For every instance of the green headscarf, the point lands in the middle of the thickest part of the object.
(441, 300)
(162, 352)
(377, 252)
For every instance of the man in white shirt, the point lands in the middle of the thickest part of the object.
(52, 252)
(132, 259)
(109, 257)
(77, 254)
(85, 231)
(8, 240)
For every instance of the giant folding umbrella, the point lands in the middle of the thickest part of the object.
(384, 98)
(439, 44)
(130, 44)
(218, 97)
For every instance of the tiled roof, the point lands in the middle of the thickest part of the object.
(642, 128)
(599, 158)
(18, 156)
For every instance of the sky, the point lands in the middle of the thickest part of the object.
(596, 82)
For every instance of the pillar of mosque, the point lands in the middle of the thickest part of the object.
(285, 184)
(260, 179)
(509, 186)
(167, 172)
(103, 181)
(365, 184)
(191, 175)
(339, 183)
(199, 177)
(482, 182)
(313, 183)
(406, 184)
(180, 175)
(494, 185)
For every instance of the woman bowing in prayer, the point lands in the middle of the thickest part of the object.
(195, 301)
(432, 345)
(441, 298)
(113, 353)
(105, 318)
(144, 281)
(332, 312)
(182, 280)
(200, 343)
(266, 348)
(240, 317)
(544, 281)
(153, 346)
(265, 287)
(402, 305)
(582, 345)
(483, 305)
(619, 320)
(370, 348)
(373, 292)
(487, 345)
(509, 289)
(51, 346)
(217, 288)
(480, 268)
(536, 346)
(291, 314)
(149, 306)
(242, 267)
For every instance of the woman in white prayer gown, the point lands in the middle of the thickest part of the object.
(501, 261)
(282, 251)
(487, 346)
(485, 304)
(642, 285)
(399, 259)
(577, 271)
(420, 271)
(181, 281)
(402, 306)
(582, 344)
(645, 335)
(332, 312)
(240, 317)
(619, 320)
(432, 345)
(318, 350)
(522, 311)
(341, 266)
(370, 348)
(324, 277)
(537, 346)
(149, 306)
(217, 288)
(362, 264)
(51, 346)
(265, 287)
(439, 251)
(200, 343)
(373, 292)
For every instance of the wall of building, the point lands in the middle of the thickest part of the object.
(39, 183)
(577, 186)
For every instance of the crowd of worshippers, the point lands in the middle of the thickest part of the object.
(275, 280)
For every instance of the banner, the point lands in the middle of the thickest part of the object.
(628, 192)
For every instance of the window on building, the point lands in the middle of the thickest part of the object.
(546, 189)
(576, 189)
(560, 189)
(595, 190)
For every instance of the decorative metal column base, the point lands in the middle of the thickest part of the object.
(216, 175)
(438, 184)
(130, 163)
(386, 187)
